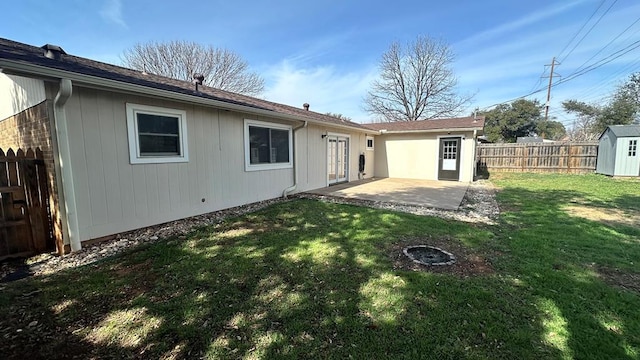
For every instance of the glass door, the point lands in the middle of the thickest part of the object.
(337, 159)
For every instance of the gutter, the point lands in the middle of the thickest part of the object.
(64, 159)
(28, 70)
(291, 188)
(475, 161)
(385, 131)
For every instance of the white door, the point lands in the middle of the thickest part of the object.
(338, 159)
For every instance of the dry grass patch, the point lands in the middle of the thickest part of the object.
(609, 216)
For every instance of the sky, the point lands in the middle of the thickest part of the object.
(326, 52)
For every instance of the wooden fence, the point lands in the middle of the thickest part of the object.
(25, 221)
(567, 157)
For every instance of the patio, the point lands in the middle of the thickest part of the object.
(445, 195)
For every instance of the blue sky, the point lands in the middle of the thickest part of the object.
(326, 52)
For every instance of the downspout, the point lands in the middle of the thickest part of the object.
(64, 158)
(295, 168)
(475, 161)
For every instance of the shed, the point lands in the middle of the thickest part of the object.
(618, 152)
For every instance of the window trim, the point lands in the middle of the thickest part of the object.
(366, 142)
(248, 166)
(134, 137)
(633, 148)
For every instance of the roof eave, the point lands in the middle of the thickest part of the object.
(383, 131)
(26, 69)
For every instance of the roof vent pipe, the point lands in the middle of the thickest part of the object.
(306, 106)
(54, 52)
(198, 79)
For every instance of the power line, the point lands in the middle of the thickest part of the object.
(582, 27)
(609, 43)
(602, 62)
(589, 31)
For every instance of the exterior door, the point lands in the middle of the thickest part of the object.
(338, 159)
(449, 159)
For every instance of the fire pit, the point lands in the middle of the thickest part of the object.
(429, 255)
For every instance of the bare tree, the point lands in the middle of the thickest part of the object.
(222, 68)
(416, 82)
(338, 116)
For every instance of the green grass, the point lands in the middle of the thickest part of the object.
(306, 279)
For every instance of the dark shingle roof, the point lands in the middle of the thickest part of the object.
(430, 125)
(23, 53)
(625, 130)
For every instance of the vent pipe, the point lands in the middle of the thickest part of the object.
(306, 106)
(197, 80)
(54, 52)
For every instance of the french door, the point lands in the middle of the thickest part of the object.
(337, 159)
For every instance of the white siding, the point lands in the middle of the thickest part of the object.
(626, 165)
(113, 195)
(19, 93)
(312, 156)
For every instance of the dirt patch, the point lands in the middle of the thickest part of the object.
(620, 278)
(123, 270)
(468, 263)
(607, 216)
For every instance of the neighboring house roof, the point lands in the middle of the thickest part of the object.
(529, 139)
(432, 125)
(624, 130)
(22, 59)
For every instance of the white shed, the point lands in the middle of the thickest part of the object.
(619, 151)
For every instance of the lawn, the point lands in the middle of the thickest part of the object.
(307, 279)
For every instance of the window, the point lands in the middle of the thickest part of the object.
(267, 146)
(156, 135)
(369, 140)
(633, 147)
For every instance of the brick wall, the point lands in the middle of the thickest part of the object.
(31, 128)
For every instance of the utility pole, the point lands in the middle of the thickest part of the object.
(546, 105)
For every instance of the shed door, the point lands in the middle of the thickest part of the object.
(449, 159)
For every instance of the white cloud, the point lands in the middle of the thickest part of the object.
(112, 12)
(520, 23)
(323, 87)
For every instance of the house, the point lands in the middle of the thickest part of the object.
(618, 151)
(126, 149)
(439, 149)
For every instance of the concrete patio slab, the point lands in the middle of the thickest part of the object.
(437, 194)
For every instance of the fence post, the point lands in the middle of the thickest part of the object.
(525, 153)
(569, 158)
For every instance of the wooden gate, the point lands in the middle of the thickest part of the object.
(25, 220)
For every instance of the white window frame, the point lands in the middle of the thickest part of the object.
(633, 148)
(248, 166)
(134, 145)
(366, 142)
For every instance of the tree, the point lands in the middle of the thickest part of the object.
(506, 122)
(622, 109)
(550, 129)
(416, 82)
(338, 116)
(221, 68)
(586, 115)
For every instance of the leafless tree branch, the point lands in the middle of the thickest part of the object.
(222, 68)
(416, 82)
